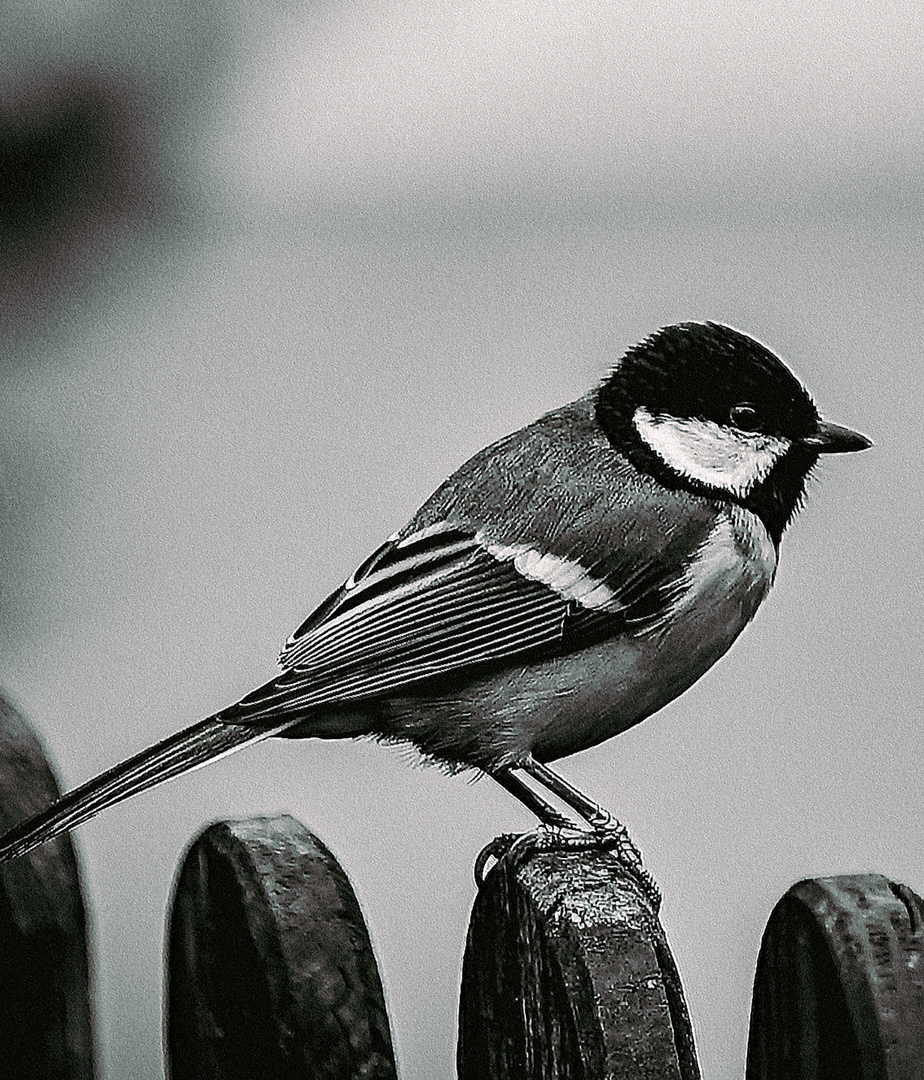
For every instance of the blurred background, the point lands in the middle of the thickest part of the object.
(270, 272)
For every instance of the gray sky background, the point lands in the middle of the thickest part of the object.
(406, 230)
(584, 99)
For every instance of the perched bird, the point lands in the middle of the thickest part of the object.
(560, 587)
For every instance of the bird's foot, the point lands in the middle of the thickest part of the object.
(519, 847)
(610, 835)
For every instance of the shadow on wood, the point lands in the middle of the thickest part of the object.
(839, 989)
(46, 1028)
(270, 972)
(568, 975)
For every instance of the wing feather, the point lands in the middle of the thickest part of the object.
(465, 608)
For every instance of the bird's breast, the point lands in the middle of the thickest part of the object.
(731, 572)
(618, 683)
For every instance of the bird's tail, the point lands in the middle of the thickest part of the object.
(180, 753)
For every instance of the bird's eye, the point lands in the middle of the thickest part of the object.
(745, 417)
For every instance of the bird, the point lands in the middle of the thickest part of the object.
(563, 585)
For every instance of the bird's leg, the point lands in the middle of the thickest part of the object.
(557, 832)
(534, 802)
(599, 819)
(551, 831)
(606, 827)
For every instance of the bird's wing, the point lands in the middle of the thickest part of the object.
(444, 599)
(539, 543)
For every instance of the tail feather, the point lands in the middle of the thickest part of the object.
(180, 753)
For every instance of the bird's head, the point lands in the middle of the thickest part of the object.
(704, 407)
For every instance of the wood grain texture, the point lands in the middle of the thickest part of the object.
(270, 972)
(46, 1023)
(568, 975)
(839, 988)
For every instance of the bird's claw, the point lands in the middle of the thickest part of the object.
(496, 850)
(613, 836)
(519, 846)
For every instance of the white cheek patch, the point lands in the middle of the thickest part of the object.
(719, 456)
(568, 578)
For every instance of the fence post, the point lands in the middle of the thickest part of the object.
(46, 1024)
(270, 974)
(839, 988)
(568, 974)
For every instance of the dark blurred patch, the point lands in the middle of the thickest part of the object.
(46, 1021)
(73, 165)
(59, 167)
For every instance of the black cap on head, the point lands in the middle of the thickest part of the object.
(704, 371)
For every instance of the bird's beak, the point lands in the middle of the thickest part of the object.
(834, 439)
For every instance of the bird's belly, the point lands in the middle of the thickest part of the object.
(618, 684)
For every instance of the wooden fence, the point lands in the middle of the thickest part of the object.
(567, 973)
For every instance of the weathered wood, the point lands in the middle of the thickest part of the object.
(46, 1026)
(568, 976)
(270, 972)
(839, 989)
